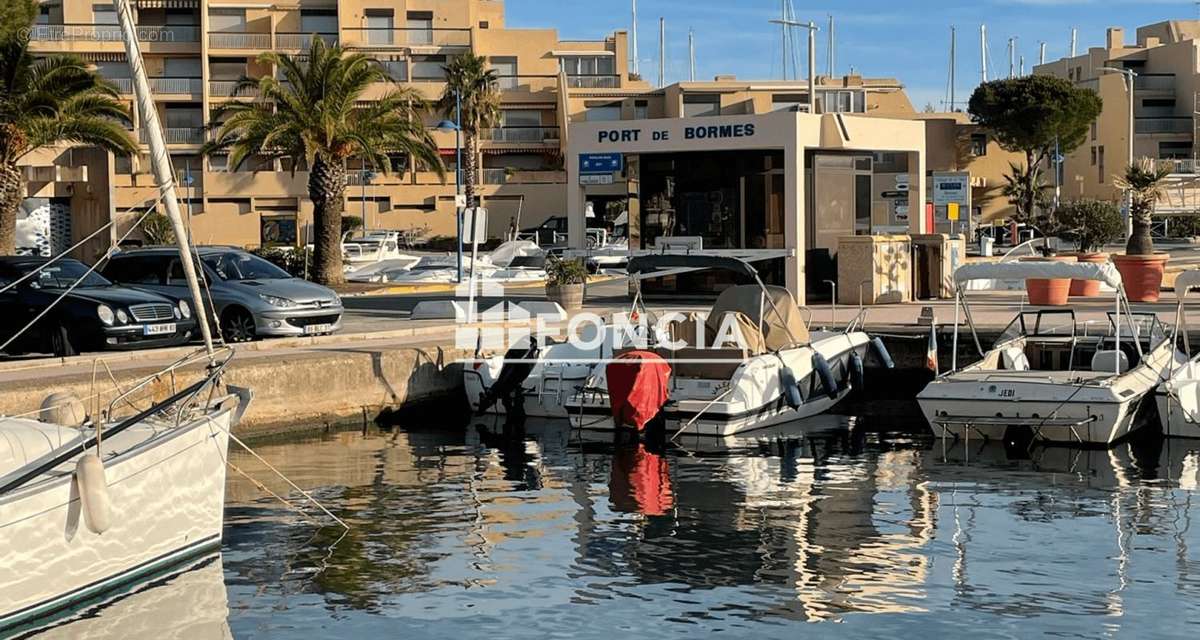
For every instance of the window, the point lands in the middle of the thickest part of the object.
(789, 102)
(506, 70)
(227, 20)
(318, 21)
(396, 67)
(587, 65)
(603, 112)
(227, 68)
(380, 25)
(218, 163)
(1095, 126)
(521, 118)
(428, 68)
(979, 143)
(483, 24)
(1071, 75)
(104, 14)
(701, 105)
(122, 164)
(1093, 155)
(1100, 163)
(1174, 150)
(181, 68)
(112, 69)
(641, 109)
(842, 101)
(1159, 102)
(184, 17)
(183, 117)
(420, 27)
(43, 16)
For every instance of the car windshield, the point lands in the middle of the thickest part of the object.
(243, 266)
(63, 274)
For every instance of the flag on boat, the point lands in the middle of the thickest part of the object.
(931, 353)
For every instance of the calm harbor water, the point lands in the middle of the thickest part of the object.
(813, 529)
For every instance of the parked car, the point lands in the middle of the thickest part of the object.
(253, 298)
(96, 315)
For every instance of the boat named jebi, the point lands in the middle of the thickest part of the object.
(1048, 377)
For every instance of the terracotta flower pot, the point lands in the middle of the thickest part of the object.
(1088, 288)
(1048, 291)
(1142, 275)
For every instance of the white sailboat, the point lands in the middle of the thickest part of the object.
(88, 504)
(1048, 376)
(1178, 397)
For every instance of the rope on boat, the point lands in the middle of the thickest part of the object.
(264, 488)
(287, 480)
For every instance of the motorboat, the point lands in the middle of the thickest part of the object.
(514, 261)
(750, 362)
(372, 248)
(1048, 377)
(1178, 397)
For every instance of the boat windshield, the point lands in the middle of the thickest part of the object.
(1047, 322)
(1146, 326)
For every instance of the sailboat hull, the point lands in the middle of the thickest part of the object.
(166, 488)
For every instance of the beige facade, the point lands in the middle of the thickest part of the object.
(1166, 99)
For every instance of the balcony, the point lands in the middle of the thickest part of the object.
(191, 86)
(302, 41)
(535, 135)
(522, 176)
(378, 37)
(112, 33)
(1156, 82)
(596, 81)
(1180, 166)
(178, 135)
(530, 83)
(242, 40)
(229, 88)
(1172, 125)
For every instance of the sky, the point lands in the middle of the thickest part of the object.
(905, 39)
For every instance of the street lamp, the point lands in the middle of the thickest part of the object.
(1129, 76)
(446, 126)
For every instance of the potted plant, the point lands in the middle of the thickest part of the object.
(1141, 268)
(564, 282)
(1027, 192)
(1093, 224)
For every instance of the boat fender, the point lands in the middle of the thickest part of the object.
(821, 366)
(856, 371)
(63, 408)
(93, 493)
(882, 353)
(790, 388)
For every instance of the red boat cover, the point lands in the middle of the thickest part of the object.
(637, 387)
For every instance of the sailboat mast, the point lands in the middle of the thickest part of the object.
(829, 59)
(635, 39)
(691, 55)
(983, 50)
(161, 162)
(953, 52)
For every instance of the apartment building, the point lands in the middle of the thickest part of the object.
(1166, 100)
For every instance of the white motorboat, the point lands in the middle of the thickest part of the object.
(511, 262)
(373, 248)
(775, 372)
(1047, 377)
(1178, 397)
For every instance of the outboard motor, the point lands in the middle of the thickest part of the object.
(518, 364)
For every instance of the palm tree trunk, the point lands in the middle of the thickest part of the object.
(1140, 243)
(10, 201)
(470, 171)
(327, 189)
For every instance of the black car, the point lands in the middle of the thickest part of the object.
(95, 315)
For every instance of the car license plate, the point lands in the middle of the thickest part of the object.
(159, 329)
(318, 328)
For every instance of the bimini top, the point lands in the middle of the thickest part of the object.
(1187, 281)
(1105, 272)
(658, 262)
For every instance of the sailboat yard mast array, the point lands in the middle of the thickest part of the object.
(161, 164)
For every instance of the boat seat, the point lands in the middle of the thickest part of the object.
(1108, 360)
(1014, 359)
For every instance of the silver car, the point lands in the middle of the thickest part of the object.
(252, 297)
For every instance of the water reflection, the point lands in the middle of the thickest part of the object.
(530, 529)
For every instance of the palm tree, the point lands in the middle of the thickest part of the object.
(473, 90)
(1145, 180)
(317, 117)
(45, 102)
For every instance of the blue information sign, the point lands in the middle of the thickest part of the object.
(592, 163)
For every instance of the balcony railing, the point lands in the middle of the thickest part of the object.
(179, 135)
(593, 81)
(1180, 166)
(227, 88)
(520, 134)
(124, 85)
(494, 176)
(301, 41)
(522, 176)
(1181, 124)
(1156, 82)
(381, 37)
(229, 40)
(176, 85)
(527, 82)
(112, 33)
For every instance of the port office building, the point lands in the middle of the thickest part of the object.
(778, 188)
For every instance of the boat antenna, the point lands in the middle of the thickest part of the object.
(164, 176)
